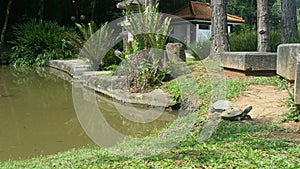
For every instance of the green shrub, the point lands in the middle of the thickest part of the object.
(95, 37)
(36, 43)
(200, 50)
(247, 41)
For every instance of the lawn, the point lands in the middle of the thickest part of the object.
(246, 144)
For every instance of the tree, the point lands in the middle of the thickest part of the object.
(289, 28)
(263, 30)
(219, 32)
(5, 24)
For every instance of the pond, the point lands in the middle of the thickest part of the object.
(37, 115)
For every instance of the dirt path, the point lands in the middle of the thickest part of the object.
(268, 106)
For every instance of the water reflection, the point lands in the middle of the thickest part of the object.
(37, 114)
(101, 118)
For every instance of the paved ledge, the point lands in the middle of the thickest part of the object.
(73, 67)
(286, 60)
(112, 86)
(250, 61)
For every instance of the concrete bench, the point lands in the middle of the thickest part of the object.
(286, 60)
(297, 82)
(250, 61)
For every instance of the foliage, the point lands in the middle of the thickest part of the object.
(97, 40)
(150, 29)
(233, 145)
(86, 32)
(200, 50)
(4, 56)
(235, 87)
(247, 41)
(293, 113)
(143, 70)
(143, 57)
(36, 43)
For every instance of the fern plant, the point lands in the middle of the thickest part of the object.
(36, 43)
(94, 43)
(149, 27)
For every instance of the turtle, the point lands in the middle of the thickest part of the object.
(222, 105)
(236, 114)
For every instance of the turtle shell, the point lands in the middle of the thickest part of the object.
(231, 113)
(222, 105)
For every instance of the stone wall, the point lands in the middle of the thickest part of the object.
(112, 86)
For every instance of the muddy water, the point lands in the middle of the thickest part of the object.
(37, 115)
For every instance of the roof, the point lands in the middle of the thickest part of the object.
(202, 11)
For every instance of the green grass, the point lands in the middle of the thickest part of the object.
(235, 87)
(233, 145)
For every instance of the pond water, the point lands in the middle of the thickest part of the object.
(37, 116)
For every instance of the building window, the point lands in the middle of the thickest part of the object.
(203, 26)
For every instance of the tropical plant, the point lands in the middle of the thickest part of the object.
(148, 28)
(144, 55)
(93, 42)
(36, 43)
(200, 50)
(247, 41)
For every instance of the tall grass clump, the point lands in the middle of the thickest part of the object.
(35, 43)
(247, 41)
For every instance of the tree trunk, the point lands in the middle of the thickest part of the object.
(263, 30)
(219, 31)
(289, 27)
(40, 12)
(5, 24)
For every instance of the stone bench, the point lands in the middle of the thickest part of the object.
(263, 62)
(286, 60)
(297, 82)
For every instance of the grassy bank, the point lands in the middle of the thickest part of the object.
(232, 145)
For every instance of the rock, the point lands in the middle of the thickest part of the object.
(175, 52)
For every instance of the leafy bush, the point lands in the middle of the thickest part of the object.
(95, 37)
(293, 113)
(200, 50)
(247, 41)
(36, 43)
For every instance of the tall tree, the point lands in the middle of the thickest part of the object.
(263, 29)
(5, 24)
(219, 31)
(289, 28)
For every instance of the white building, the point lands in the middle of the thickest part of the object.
(199, 14)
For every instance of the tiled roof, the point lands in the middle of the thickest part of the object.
(200, 10)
